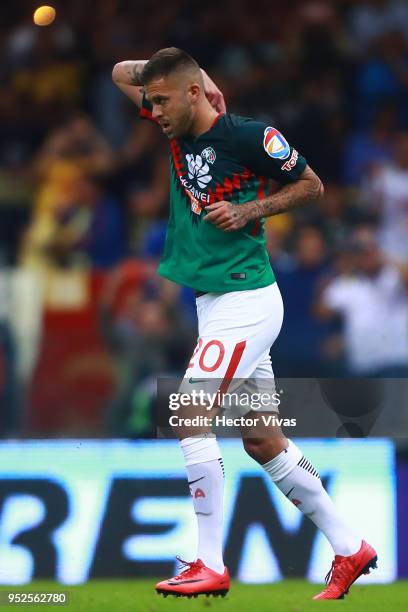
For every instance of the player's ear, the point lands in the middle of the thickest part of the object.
(194, 93)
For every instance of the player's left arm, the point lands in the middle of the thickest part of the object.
(266, 152)
(307, 189)
(230, 217)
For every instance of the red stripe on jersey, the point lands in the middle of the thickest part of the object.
(216, 119)
(226, 192)
(247, 177)
(256, 227)
(219, 192)
(236, 181)
(145, 113)
(231, 187)
(228, 186)
(177, 156)
(261, 188)
(232, 366)
(246, 174)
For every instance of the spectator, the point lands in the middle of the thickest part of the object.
(296, 353)
(373, 304)
(146, 332)
(277, 230)
(335, 214)
(371, 19)
(383, 76)
(88, 228)
(366, 149)
(152, 248)
(70, 153)
(389, 189)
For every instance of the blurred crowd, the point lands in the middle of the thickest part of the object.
(84, 182)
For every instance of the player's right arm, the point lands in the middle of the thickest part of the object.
(126, 75)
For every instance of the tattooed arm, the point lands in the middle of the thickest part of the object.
(230, 217)
(126, 75)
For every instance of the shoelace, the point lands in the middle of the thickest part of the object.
(335, 574)
(190, 568)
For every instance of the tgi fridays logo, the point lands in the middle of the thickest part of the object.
(291, 163)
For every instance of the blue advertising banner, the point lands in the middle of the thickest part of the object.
(75, 510)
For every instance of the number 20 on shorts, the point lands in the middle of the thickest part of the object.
(204, 363)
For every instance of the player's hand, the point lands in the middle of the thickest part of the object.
(213, 94)
(227, 216)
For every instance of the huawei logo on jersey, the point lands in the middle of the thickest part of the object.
(199, 170)
(199, 493)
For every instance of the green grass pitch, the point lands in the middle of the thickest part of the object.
(288, 595)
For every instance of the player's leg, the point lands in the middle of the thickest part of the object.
(235, 330)
(205, 473)
(228, 347)
(300, 482)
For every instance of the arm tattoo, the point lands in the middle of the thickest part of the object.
(133, 71)
(289, 197)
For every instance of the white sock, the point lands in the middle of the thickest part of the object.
(300, 482)
(205, 471)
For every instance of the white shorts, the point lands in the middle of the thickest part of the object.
(236, 332)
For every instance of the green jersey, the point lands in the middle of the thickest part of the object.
(232, 161)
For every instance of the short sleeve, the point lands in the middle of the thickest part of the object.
(265, 151)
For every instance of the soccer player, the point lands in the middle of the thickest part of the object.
(220, 166)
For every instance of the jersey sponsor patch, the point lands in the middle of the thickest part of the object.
(194, 203)
(275, 144)
(291, 163)
(199, 170)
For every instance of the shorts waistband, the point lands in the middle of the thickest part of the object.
(200, 293)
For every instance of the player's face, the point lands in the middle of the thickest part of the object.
(173, 104)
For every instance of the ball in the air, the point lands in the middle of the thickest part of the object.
(44, 15)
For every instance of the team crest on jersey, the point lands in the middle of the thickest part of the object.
(275, 144)
(209, 155)
(199, 170)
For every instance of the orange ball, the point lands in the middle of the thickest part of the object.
(44, 15)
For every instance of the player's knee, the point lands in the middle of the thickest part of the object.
(256, 448)
(263, 450)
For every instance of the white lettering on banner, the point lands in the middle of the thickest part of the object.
(81, 509)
